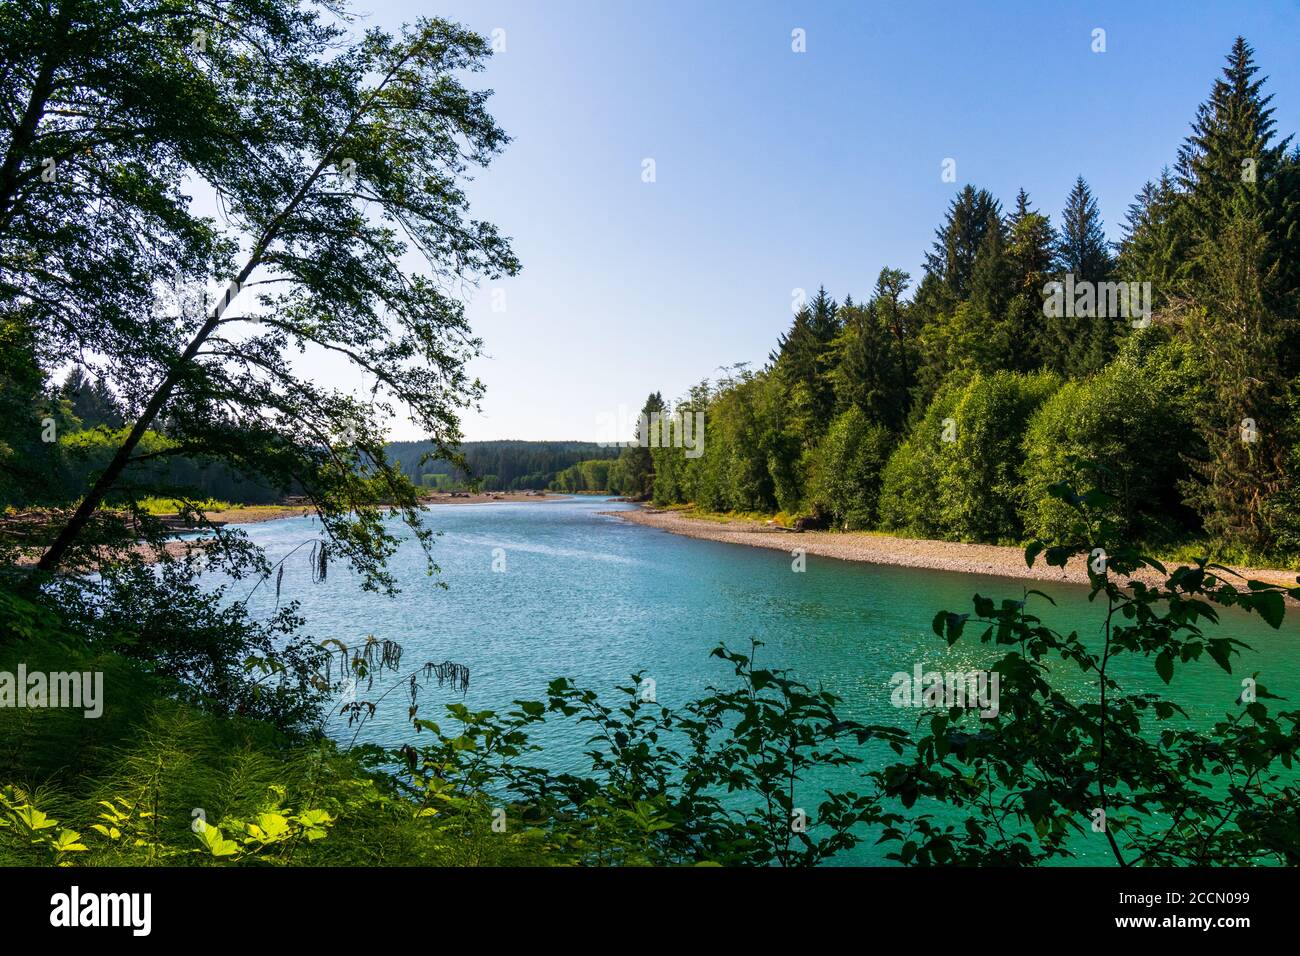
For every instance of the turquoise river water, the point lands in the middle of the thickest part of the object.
(594, 598)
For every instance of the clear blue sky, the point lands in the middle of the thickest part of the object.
(778, 170)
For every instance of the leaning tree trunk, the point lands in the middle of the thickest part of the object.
(99, 491)
(108, 478)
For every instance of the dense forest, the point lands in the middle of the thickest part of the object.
(90, 421)
(495, 465)
(1171, 375)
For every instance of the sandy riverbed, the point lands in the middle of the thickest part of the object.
(255, 514)
(494, 497)
(882, 549)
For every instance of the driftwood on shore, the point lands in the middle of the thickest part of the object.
(177, 523)
(773, 526)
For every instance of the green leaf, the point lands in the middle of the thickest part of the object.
(269, 828)
(34, 819)
(1037, 803)
(315, 818)
(1270, 606)
(1058, 556)
(1220, 650)
(69, 841)
(216, 843)
(1165, 666)
(1096, 498)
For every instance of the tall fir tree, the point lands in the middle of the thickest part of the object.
(1231, 148)
(899, 317)
(966, 333)
(1081, 246)
(636, 463)
(971, 215)
(1239, 190)
(948, 326)
(1155, 239)
(1231, 166)
(992, 281)
(1030, 253)
(93, 402)
(871, 371)
(1081, 344)
(803, 361)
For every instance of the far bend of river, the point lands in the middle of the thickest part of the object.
(591, 597)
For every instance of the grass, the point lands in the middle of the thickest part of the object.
(171, 506)
(159, 763)
(1230, 556)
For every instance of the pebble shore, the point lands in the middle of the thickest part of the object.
(990, 559)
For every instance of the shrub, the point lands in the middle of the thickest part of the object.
(980, 488)
(1133, 428)
(847, 470)
(1049, 776)
(957, 476)
(911, 475)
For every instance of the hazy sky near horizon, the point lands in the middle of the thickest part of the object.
(777, 170)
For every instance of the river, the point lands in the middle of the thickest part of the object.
(579, 594)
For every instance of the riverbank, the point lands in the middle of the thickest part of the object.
(495, 497)
(256, 514)
(876, 548)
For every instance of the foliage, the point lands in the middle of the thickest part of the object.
(590, 475)
(1121, 422)
(957, 475)
(1083, 343)
(655, 794)
(1049, 772)
(497, 465)
(1161, 400)
(372, 140)
(636, 473)
(847, 470)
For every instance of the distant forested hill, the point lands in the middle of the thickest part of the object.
(501, 465)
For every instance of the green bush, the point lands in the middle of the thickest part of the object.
(1130, 422)
(733, 474)
(981, 487)
(847, 470)
(910, 477)
(957, 476)
(1123, 769)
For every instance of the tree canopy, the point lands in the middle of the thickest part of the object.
(1177, 373)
